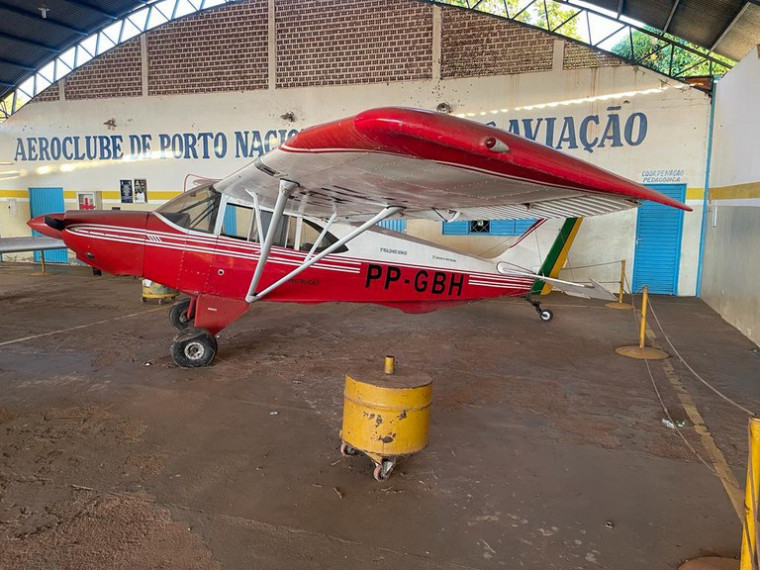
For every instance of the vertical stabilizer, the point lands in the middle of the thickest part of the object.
(542, 250)
(557, 256)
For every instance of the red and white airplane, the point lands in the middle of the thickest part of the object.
(299, 224)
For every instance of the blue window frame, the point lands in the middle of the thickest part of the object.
(487, 227)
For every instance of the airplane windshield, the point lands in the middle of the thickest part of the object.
(199, 210)
(194, 209)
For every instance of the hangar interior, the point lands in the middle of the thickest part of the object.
(547, 450)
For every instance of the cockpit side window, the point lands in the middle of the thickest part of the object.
(199, 209)
(194, 210)
(240, 222)
(310, 234)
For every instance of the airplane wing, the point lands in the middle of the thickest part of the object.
(434, 166)
(11, 245)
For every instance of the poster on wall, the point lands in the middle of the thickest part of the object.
(126, 191)
(141, 191)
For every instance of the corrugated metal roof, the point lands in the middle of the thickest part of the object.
(731, 28)
(32, 33)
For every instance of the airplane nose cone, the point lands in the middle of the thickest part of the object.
(48, 224)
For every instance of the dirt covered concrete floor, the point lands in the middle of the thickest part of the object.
(547, 450)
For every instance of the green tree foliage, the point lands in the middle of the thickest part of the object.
(548, 15)
(649, 47)
(653, 49)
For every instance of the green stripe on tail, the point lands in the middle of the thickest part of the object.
(557, 255)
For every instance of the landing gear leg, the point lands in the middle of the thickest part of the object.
(544, 314)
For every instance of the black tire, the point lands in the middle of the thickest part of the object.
(193, 348)
(178, 314)
(546, 315)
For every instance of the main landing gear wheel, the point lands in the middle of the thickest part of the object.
(193, 348)
(383, 470)
(178, 314)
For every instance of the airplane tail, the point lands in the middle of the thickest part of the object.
(542, 251)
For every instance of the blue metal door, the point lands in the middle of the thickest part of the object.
(658, 243)
(47, 201)
(396, 225)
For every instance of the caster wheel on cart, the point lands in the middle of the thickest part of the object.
(347, 451)
(383, 470)
(546, 315)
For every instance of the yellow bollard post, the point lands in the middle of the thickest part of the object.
(643, 325)
(43, 270)
(641, 351)
(749, 560)
(390, 365)
(621, 291)
(622, 280)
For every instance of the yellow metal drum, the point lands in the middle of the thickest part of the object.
(153, 290)
(386, 415)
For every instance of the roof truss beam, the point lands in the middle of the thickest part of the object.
(144, 15)
(628, 41)
(666, 27)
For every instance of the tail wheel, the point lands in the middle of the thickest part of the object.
(193, 348)
(178, 314)
(546, 315)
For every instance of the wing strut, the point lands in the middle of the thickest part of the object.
(251, 297)
(286, 189)
(316, 243)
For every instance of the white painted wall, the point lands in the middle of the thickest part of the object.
(677, 120)
(731, 270)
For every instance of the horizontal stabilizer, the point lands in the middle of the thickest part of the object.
(592, 291)
(11, 245)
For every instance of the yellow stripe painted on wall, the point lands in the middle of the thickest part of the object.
(695, 193)
(14, 194)
(736, 192)
(105, 194)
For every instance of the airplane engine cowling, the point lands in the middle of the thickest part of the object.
(113, 242)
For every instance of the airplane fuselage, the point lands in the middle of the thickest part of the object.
(380, 267)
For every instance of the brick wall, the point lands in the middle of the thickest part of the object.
(334, 42)
(52, 93)
(578, 56)
(116, 73)
(475, 44)
(220, 50)
(319, 42)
